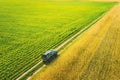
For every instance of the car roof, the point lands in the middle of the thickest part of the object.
(49, 51)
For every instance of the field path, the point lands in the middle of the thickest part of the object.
(94, 55)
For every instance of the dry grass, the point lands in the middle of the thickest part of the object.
(92, 56)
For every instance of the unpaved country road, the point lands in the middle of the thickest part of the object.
(95, 55)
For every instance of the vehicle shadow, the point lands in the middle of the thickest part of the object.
(52, 59)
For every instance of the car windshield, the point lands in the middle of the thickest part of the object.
(44, 56)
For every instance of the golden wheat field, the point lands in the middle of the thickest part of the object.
(94, 55)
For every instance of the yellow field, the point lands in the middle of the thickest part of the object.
(95, 55)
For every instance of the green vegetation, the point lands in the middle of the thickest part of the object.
(28, 28)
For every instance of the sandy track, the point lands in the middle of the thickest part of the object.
(93, 56)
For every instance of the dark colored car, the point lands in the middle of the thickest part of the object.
(49, 55)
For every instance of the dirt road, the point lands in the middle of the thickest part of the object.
(95, 55)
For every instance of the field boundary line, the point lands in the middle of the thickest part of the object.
(66, 42)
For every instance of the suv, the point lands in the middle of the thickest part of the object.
(49, 55)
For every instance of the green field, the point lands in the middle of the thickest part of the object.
(29, 28)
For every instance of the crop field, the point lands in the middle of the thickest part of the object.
(30, 27)
(94, 55)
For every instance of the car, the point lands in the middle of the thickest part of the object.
(49, 55)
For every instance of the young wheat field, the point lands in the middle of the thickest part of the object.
(94, 55)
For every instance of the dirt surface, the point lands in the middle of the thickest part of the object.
(95, 55)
